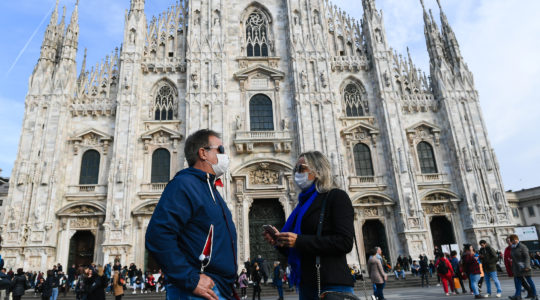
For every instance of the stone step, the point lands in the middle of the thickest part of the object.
(269, 290)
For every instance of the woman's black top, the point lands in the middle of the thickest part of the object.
(332, 246)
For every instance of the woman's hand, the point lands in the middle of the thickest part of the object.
(268, 237)
(286, 239)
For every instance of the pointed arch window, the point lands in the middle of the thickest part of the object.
(261, 115)
(362, 160)
(257, 34)
(89, 167)
(426, 158)
(164, 104)
(161, 166)
(352, 97)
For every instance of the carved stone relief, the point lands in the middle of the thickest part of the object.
(262, 177)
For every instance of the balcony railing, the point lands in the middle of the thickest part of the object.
(432, 179)
(263, 135)
(87, 188)
(153, 187)
(246, 140)
(366, 182)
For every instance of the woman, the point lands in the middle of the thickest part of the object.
(398, 270)
(243, 283)
(256, 277)
(472, 268)
(118, 287)
(47, 286)
(446, 273)
(298, 239)
(96, 284)
(19, 284)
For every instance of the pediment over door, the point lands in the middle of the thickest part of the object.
(423, 131)
(360, 132)
(259, 77)
(161, 136)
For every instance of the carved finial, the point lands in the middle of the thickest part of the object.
(422, 3)
(439, 3)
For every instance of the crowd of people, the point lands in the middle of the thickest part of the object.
(91, 282)
(478, 266)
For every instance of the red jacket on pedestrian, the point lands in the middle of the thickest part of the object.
(445, 261)
(508, 261)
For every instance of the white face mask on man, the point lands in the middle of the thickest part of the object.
(222, 165)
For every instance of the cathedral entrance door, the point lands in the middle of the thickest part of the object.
(375, 236)
(150, 263)
(264, 212)
(442, 232)
(81, 248)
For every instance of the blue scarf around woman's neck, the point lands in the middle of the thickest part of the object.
(305, 199)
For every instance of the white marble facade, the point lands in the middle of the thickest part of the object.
(333, 83)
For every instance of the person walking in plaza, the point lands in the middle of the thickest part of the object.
(521, 267)
(118, 285)
(256, 277)
(472, 268)
(445, 273)
(377, 275)
(243, 284)
(424, 269)
(5, 284)
(191, 233)
(489, 259)
(277, 279)
(306, 241)
(507, 258)
(458, 278)
(19, 284)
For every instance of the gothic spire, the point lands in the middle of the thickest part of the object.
(136, 6)
(449, 39)
(48, 47)
(369, 6)
(83, 67)
(433, 38)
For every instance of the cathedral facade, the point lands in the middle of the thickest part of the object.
(275, 78)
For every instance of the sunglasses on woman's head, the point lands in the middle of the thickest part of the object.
(220, 148)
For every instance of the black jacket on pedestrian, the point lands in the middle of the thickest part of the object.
(332, 246)
(46, 288)
(489, 259)
(5, 282)
(18, 285)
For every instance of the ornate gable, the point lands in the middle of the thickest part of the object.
(423, 131)
(161, 136)
(258, 77)
(360, 132)
(91, 138)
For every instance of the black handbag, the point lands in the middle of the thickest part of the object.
(330, 295)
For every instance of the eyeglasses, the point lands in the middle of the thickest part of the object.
(300, 168)
(220, 148)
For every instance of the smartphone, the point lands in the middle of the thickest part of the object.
(270, 230)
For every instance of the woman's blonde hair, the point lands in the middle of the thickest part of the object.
(320, 166)
(100, 271)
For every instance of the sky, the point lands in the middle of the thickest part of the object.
(499, 39)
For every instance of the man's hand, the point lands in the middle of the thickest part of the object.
(204, 288)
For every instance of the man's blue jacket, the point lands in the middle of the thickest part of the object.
(179, 227)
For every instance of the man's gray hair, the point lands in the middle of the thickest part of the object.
(196, 141)
(320, 166)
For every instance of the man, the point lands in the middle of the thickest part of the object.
(489, 259)
(376, 273)
(508, 266)
(415, 268)
(5, 283)
(132, 274)
(424, 269)
(277, 279)
(521, 267)
(191, 233)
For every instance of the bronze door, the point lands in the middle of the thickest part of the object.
(264, 212)
(81, 249)
(442, 231)
(374, 235)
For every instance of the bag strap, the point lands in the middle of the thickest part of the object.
(319, 233)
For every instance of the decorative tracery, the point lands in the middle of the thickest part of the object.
(354, 105)
(257, 34)
(164, 108)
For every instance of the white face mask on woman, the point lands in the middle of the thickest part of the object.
(302, 181)
(222, 165)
